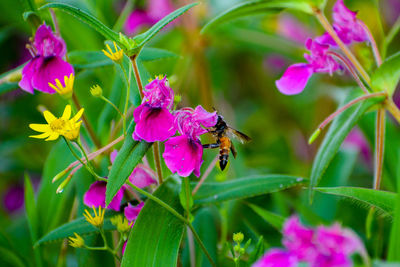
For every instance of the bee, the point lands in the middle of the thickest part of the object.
(222, 132)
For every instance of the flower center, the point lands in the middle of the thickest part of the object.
(57, 125)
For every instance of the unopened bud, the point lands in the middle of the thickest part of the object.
(60, 189)
(60, 175)
(314, 136)
(96, 91)
(238, 237)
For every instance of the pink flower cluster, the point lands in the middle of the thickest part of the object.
(156, 121)
(321, 247)
(347, 27)
(141, 176)
(47, 63)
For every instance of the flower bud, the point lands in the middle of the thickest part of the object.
(96, 91)
(238, 237)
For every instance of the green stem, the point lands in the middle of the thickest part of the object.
(137, 76)
(187, 196)
(390, 36)
(112, 104)
(157, 161)
(392, 108)
(177, 215)
(128, 90)
(379, 147)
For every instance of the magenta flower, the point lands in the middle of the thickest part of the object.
(96, 196)
(322, 247)
(356, 139)
(292, 29)
(295, 78)
(155, 10)
(154, 121)
(131, 212)
(13, 198)
(183, 154)
(277, 258)
(346, 25)
(47, 64)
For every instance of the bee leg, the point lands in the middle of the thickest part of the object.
(215, 145)
(233, 150)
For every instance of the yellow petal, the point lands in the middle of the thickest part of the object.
(53, 136)
(49, 116)
(40, 127)
(54, 87)
(78, 115)
(40, 136)
(67, 113)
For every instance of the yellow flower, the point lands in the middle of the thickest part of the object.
(115, 56)
(96, 90)
(77, 241)
(98, 219)
(69, 128)
(121, 223)
(238, 237)
(65, 90)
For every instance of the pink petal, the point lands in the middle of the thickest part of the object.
(277, 258)
(205, 118)
(153, 124)
(47, 43)
(136, 20)
(28, 72)
(113, 155)
(157, 9)
(295, 79)
(183, 155)
(96, 196)
(52, 68)
(131, 212)
(142, 176)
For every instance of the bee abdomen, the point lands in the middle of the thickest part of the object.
(223, 158)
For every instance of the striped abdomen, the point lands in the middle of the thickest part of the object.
(224, 148)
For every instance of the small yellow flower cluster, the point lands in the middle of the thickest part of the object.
(114, 56)
(65, 90)
(77, 241)
(121, 223)
(98, 219)
(65, 125)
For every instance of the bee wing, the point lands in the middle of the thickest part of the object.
(238, 135)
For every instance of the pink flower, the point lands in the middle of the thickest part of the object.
(96, 196)
(277, 258)
(292, 29)
(154, 121)
(131, 212)
(346, 25)
(295, 78)
(47, 65)
(322, 247)
(183, 154)
(356, 139)
(155, 10)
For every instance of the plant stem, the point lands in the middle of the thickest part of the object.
(192, 251)
(392, 108)
(187, 196)
(114, 106)
(340, 110)
(55, 22)
(375, 48)
(205, 175)
(157, 161)
(196, 236)
(351, 69)
(328, 27)
(177, 215)
(128, 90)
(379, 147)
(137, 76)
(86, 122)
(389, 37)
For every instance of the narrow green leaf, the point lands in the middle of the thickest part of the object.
(245, 188)
(145, 37)
(156, 236)
(183, 194)
(10, 258)
(394, 243)
(86, 18)
(274, 219)
(255, 7)
(384, 201)
(387, 76)
(128, 157)
(79, 226)
(258, 251)
(153, 54)
(338, 131)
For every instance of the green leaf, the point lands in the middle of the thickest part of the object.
(387, 76)
(384, 201)
(79, 226)
(88, 19)
(145, 37)
(153, 54)
(394, 243)
(245, 188)
(341, 126)
(258, 251)
(128, 157)
(274, 219)
(156, 236)
(10, 258)
(255, 7)
(183, 194)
